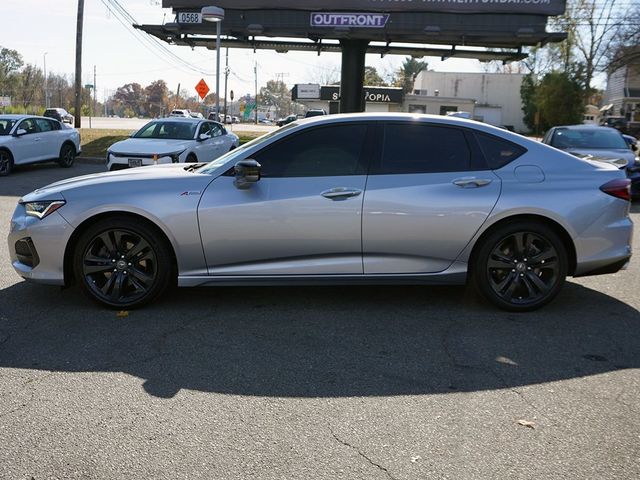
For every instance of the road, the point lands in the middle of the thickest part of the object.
(137, 123)
(316, 383)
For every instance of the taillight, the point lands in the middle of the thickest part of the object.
(619, 188)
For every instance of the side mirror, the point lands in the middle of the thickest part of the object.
(20, 132)
(247, 172)
(203, 136)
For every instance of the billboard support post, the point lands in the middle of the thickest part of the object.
(352, 75)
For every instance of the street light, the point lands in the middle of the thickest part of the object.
(215, 14)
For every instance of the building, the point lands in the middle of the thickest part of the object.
(495, 96)
(622, 96)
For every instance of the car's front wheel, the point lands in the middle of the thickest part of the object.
(123, 263)
(6, 162)
(520, 267)
(67, 155)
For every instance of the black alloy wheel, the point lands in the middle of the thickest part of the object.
(123, 264)
(67, 156)
(6, 163)
(522, 267)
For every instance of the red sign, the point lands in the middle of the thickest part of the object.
(202, 88)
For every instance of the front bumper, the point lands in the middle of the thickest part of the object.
(120, 162)
(37, 247)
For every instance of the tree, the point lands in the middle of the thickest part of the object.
(10, 62)
(156, 98)
(559, 99)
(276, 94)
(130, 96)
(529, 105)
(372, 78)
(409, 72)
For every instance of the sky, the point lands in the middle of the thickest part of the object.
(44, 30)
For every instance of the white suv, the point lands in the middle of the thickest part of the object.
(180, 113)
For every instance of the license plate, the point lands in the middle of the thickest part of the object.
(189, 17)
(135, 162)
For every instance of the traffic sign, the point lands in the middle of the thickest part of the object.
(202, 88)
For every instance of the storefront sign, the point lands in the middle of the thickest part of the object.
(307, 90)
(371, 94)
(356, 20)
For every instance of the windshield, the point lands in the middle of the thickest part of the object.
(588, 138)
(238, 152)
(6, 125)
(167, 130)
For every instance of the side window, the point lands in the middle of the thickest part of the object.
(497, 151)
(205, 128)
(423, 148)
(44, 125)
(216, 130)
(29, 125)
(334, 150)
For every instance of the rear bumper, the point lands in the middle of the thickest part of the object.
(613, 267)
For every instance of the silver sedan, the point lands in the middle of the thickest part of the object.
(341, 199)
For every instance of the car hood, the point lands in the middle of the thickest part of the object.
(149, 146)
(168, 172)
(618, 157)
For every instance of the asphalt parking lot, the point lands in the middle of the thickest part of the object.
(316, 383)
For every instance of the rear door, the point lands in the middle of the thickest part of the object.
(50, 138)
(427, 194)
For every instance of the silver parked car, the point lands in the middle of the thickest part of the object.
(340, 199)
(172, 140)
(30, 139)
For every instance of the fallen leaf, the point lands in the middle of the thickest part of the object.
(527, 423)
(122, 314)
(415, 459)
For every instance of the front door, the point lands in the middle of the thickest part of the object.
(427, 195)
(28, 147)
(303, 217)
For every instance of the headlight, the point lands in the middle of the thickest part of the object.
(42, 209)
(175, 156)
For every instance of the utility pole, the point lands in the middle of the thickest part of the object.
(46, 96)
(280, 76)
(78, 86)
(95, 103)
(226, 79)
(255, 74)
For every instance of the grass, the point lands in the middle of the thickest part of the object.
(95, 142)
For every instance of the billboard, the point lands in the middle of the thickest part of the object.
(542, 7)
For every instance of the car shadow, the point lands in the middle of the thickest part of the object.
(321, 341)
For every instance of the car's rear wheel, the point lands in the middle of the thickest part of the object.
(6, 163)
(123, 263)
(520, 267)
(67, 155)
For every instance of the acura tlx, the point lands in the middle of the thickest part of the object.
(337, 199)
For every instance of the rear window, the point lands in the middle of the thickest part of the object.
(497, 151)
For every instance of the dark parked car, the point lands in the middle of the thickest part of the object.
(286, 120)
(603, 144)
(59, 114)
(315, 113)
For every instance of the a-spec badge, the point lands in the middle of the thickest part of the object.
(186, 194)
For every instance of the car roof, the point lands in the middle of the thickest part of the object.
(15, 116)
(585, 127)
(179, 119)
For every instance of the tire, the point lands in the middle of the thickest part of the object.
(6, 162)
(67, 155)
(123, 263)
(520, 267)
(191, 158)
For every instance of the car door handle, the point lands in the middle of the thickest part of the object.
(471, 182)
(340, 193)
